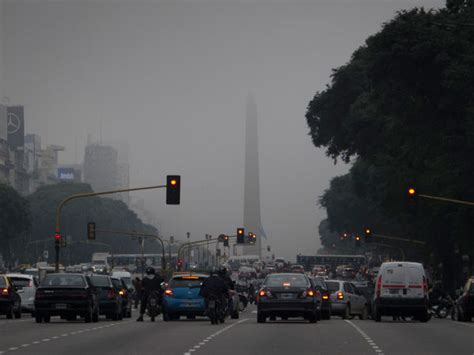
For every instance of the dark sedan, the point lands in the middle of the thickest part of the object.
(321, 286)
(287, 295)
(110, 302)
(68, 296)
(464, 308)
(10, 301)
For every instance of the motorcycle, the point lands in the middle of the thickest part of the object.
(153, 305)
(443, 307)
(216, 310)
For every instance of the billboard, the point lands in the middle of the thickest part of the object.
(3, 122)
(15, 126)
(66, 174)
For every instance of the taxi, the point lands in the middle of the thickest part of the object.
(182, 297)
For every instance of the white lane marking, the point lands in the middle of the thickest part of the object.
(369, 341)
(25, 345)
(210, 337)
(465, 324)
(13, 349)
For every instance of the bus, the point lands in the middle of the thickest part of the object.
(134, 262)
(308, 261)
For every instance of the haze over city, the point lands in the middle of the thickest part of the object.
(172, 79)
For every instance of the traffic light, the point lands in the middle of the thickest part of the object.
(57, 240)
(91, 231)
(173, 189)
(252, 238)
(357, 240)
(240, 236)
(344, 236)
(226, 240)
(179, 264)
(368, 235)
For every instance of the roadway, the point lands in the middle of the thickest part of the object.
(243, 336)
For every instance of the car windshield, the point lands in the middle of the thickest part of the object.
(283, 280)
(190, 282)
(63, 280)
(100, 281)
(3, 283)
(20, 281)
(332, 286)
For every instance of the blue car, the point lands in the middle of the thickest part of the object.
(181, 298)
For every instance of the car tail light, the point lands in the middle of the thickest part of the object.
(340, 295)
(425, 285)
(264, 293)
(325, 297)
(379, 286)
(121, 292)
(169, 293)
(5, 291)
(111, 294)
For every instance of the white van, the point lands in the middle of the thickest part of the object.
(401, 289)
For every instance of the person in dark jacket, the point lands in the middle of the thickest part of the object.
(151, 282)
(214, 286)
(137, 285)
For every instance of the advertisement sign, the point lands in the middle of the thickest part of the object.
(15, 126)
(66, 174)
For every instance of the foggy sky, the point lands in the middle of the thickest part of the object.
(172, 78)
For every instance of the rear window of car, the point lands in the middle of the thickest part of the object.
(320, 283)
(293, 280)
(332, 286)
(117, 283)
(20, 281)
(63, 280)
(394, 275)
(100, 281)
(3, 283)
(186, 282)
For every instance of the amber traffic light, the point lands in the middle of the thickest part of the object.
(368, 235)
(357, 240)
(173, 189)
(240, 236)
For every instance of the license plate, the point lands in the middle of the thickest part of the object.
(61, 306)
(287, 296)
(394, 291)
(188, 305)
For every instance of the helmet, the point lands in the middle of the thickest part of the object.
(222, 271)
(150, 271)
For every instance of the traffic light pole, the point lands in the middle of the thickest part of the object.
(444, 199)
(85, 195)
(199, 242)
(399, 239)
(138, 234)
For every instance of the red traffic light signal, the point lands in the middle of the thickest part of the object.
(57, 240)
(173, 189)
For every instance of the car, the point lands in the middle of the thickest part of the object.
(182, 297)
(10, 301)
(125, 294)
(296, 268)
(287, 295)
(110, 302)
(346, 300)
(401, 289)
(26, 287)
(68, 296)
(320, 285)
(464, 307)
(125, 276)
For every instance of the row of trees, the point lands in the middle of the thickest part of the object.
(402, 111)
(27, 224)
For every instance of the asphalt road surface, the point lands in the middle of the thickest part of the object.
(242, 336)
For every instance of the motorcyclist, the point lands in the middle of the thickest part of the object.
(437, 293)
(229, 284)
(214, 287)
(150, 283)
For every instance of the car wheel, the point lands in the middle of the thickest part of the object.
(284, 318)
(424, 317)
(18, 314)
(38, 318)
(190, 317)
(273, 318)
(71, 318)
(326, 315)
(129, 314)
(313, 318)
(261, 318)
(363, 315)
(47, 318)
(10, 313)
(166, 317)
(347, 312)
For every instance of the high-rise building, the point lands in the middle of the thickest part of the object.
(252, 221)
(123, 168)
(101, 167)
